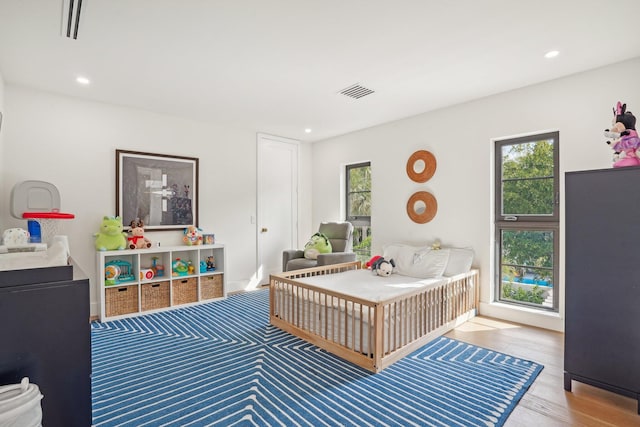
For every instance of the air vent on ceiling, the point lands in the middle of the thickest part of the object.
(70, 18)
(356, 91)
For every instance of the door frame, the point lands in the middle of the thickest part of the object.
(261, 138)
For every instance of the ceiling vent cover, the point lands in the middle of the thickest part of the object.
(356, 91)
(70, 18)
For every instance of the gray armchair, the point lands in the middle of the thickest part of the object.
(340, 236)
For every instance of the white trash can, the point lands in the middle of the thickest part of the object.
(20, 405)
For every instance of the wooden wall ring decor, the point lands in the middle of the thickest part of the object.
(429, 166)
(421, 214)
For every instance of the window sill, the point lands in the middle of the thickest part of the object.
(525, 315)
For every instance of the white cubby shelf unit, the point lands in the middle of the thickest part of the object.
(141, 281)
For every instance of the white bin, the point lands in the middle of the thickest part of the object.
(20, 405)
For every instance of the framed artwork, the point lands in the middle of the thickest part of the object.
(159, 189)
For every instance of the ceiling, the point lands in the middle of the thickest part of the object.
(277, 66)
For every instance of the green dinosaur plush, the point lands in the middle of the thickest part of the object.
(111, 236)
(317, 244)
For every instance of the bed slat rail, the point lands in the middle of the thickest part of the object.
(371, 335)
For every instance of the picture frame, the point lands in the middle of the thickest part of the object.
(159, 189)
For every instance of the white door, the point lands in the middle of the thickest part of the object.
(277, 224)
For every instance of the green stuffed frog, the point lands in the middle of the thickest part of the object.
(111, 237)
(317, 244)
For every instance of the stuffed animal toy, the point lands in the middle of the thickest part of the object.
(136, 239)
(111, 237)
(369, 263)
(15, 237)
(625, 141)
(381, 266)
(317, 244)
(192, 236)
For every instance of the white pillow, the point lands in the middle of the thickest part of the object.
(402, 255)
(417, 261)
(428, 264)
(460, 260)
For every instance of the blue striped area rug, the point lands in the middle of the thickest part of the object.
(223, 364)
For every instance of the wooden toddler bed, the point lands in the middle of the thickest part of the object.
(369, 320)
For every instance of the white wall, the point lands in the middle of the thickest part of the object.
(71, 143)
(2, 195)
(460, 137)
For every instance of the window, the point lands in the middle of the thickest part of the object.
(526, 220)
(358, 203)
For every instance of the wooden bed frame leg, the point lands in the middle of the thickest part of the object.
(379, 346)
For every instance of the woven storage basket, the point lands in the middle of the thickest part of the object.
(154, 295)
(121, 300)
(184, 291)
(211, 286)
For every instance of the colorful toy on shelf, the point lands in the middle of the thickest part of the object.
(146, 274)
(111, 273)
(190, 268)
(136, 239)
(192, 236)
(624, 137)
(117, 271)
(158, 269)
(211, 263)
(111, 237)
(203, 267)
(179, 268)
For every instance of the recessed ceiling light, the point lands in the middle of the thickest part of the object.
(551, 54)
(307, 130)
(83, 80)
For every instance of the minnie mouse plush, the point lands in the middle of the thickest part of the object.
(625, 141)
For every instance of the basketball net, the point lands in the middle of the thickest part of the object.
(48, 228)
(49, 222)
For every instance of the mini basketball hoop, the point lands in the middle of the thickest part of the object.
(49, 222)
(38, 202)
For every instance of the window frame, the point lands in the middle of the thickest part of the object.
(359, 219)
(527, 222)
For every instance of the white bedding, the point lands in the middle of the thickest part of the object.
(56, 255)
(365, 285)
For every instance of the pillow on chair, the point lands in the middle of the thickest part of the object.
(317, 244)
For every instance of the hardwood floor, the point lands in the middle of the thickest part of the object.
(546, 403)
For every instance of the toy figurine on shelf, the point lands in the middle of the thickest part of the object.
(136, 239)
(624, 137)
(191, 269)
(111, 237)
(158, 269)
(179, 268)
(192, 236)
(211, 263)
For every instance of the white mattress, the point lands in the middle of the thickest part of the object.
(368, 286)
